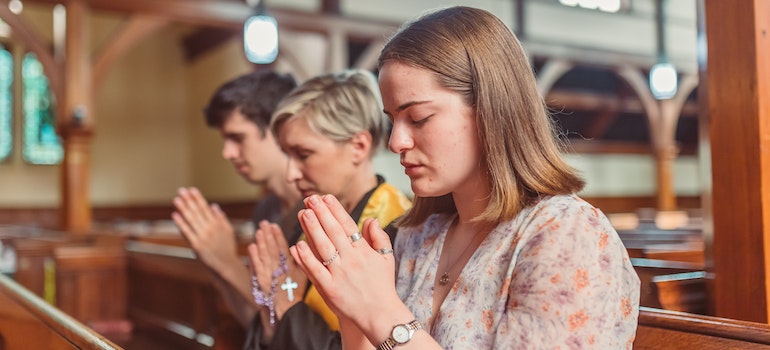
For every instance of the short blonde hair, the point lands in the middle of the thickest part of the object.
(336, 105)
(472, 52)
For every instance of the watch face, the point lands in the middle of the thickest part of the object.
(401, 334)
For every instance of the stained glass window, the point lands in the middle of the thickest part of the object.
(6, 110)
(41, 143)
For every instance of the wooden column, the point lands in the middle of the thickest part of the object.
(665, 155)
(739, 109)
(662, 119)
(76, 122)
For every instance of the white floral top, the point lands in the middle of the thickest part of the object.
(555, 277)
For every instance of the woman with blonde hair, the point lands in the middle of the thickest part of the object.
(498, 252)
(330, 127)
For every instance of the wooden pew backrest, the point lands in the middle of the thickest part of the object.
(663, 329)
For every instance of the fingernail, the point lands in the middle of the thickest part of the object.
(329, 199)
(182, 190)
(313, 199)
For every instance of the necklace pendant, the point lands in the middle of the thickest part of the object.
(444, 280)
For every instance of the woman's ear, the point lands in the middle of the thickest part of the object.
(361, 145)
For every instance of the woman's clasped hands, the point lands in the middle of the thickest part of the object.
(354, 271)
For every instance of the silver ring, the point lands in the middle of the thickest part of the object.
(355, 237)
(330, 260)
(384, 251)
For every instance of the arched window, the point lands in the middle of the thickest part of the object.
(41, 144)
(6, 106)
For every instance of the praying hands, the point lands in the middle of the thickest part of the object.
(352, 274)
(210, 234)
(277, 284)
(206, 228)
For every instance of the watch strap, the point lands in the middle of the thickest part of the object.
(391, 343)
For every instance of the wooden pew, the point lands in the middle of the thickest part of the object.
(691, 252)
(649, 269)
(684, 292)
(172, 300)
(663, 330)
(28, 322)
(91, 282)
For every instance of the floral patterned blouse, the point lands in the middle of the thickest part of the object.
(555, 277)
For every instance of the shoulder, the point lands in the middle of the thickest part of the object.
(564, 210)
(566, 220)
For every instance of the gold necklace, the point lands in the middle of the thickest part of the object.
(444, 279)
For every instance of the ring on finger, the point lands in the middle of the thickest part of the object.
(384, 251)
(330, 260)
(355, 237)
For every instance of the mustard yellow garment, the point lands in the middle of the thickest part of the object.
(385, 204)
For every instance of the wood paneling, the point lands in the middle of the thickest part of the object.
(171, 298)
(49, 217)
(91, 281)
(739, 109)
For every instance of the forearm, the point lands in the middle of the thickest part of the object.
(376, 328)
(236, 294)
(352, 337)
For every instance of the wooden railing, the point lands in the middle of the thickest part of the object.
(28, 322)
(663, 330)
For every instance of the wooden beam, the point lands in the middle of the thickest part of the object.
(331, 7)
(203, 40)
(232, 14)
(136, 28)
(608, 147)
(600, 124)
(739, 108)
(588, 101)
(552, 71)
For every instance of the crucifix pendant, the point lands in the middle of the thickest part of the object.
(289, 286)
(444, 280)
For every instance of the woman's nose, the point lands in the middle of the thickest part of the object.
(400, 138)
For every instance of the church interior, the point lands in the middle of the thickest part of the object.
(101, 121)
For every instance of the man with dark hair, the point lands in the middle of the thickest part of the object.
(241, 110)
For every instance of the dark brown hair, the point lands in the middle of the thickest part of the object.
(255, 95)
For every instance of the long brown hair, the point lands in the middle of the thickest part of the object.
(473, 53)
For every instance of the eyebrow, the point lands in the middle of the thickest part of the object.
(407, 105)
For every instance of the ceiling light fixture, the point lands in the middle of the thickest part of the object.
(663, 75)
(260, 36)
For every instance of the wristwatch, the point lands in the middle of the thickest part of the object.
(401, 334)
